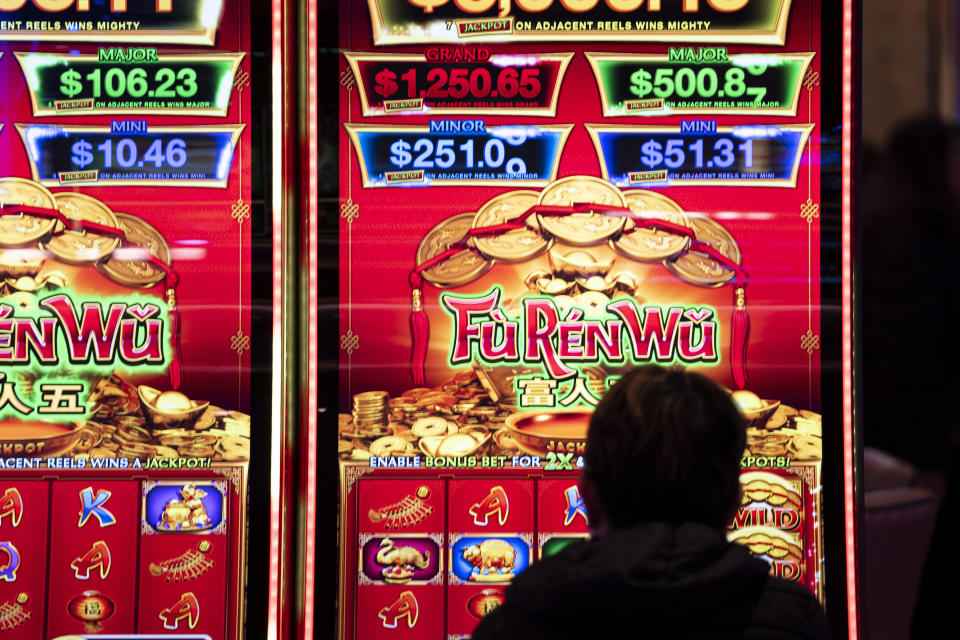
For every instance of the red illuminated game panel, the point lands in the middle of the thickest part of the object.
(98, 553)
(427, 557)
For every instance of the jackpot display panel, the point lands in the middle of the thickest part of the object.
(537, 196)
(136, 202)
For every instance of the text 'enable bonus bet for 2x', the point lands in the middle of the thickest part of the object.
(125, 430)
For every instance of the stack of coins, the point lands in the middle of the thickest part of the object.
(371, 408)
(132, 438)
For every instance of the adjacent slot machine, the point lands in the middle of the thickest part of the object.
(145, 475)
(534, 198)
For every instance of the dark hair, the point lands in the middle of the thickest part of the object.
(665, 445)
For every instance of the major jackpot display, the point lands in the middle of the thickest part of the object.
(124, 407)
(534, 198)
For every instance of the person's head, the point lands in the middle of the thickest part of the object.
(664, 445)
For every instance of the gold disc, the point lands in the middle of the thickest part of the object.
(652, 245)
(517, 245)
(128, 265)
(700, 269)
(80, 247)
(582, 229)
(460, 268)
(22, 230)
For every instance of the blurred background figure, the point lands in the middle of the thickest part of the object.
(910, 285)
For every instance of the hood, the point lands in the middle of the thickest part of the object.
(674, 570)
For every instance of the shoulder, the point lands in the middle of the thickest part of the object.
(508, 621)
(790, 607)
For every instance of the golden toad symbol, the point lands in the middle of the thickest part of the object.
(187, 513)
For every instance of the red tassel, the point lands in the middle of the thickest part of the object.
(419, 330)
(738, 340)
(176, 364)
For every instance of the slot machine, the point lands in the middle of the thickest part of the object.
(149, 207)
(534, 197)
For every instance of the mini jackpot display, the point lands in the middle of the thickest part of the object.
(132, 192)
(536, 197)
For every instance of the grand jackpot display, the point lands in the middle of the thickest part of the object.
(536, 196)
(132, 193)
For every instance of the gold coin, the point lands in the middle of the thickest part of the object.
(389, 445)
(235, 443)
(166, 452)
(699, 268)
(135, 449)
(80, 247)
(582, 229)
(652, 245)
(197, 451)
(593, 303)
(371, 396)
(21, 230)
(206, 420)
(134, 433)
(458, 269)
(129, 266)
(517, 245)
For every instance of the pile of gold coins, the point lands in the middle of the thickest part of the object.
(35, 238)
(117, 428)
(456, 418)
(776, 429)
(579, 272)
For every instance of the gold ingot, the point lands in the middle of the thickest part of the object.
(555, 286)
(169, 409)
(577, 264)
(754, 409)
(19, 263)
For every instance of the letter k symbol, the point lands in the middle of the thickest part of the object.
(93, 506)
(575, 505)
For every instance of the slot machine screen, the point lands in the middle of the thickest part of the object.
(136, 209)
(536, 197)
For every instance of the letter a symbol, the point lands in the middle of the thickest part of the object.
(97, 556)
(93, 506)
(495, 503)
(11, 505)
(406, 606)
(186, 608)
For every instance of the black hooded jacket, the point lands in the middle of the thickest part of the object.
(654, 580)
